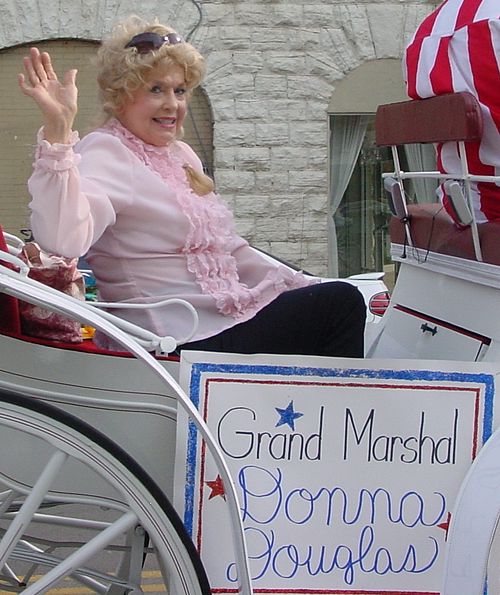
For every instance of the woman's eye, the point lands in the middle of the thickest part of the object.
(180, 91)
(155, 89)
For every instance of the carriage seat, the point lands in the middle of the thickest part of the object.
(10, 325)
(432, 229)
(450, 117)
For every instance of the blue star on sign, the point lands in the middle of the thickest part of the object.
(288, 416)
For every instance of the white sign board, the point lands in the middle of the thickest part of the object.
(346, 470)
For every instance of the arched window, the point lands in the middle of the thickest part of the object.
(359, 214)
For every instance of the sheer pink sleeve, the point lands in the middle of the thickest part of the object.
(76, 191)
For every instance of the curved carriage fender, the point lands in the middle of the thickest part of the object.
(473, 524)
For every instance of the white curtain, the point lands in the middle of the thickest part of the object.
(422, 158)
(346, 139)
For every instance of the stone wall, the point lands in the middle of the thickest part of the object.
(272, 69)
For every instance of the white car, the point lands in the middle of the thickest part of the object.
(371, 285)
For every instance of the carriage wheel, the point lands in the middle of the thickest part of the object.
(75, 509)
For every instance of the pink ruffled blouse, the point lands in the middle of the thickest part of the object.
(129, 207)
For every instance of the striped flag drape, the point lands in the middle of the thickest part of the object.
(457, 48)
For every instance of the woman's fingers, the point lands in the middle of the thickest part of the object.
(22, 83)
(48, 69)
(70, 77)
(30, 71)
(56, 99)
(27, 89)
(38, 67)
(39, 64)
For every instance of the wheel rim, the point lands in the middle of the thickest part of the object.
(76, 485)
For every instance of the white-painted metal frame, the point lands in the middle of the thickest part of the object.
(21, 287)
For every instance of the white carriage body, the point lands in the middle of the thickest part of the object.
(443, 307)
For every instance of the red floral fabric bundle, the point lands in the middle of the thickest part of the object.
(59, 273)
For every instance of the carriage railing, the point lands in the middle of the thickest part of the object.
(462, 202)
(21, 287)
(147, 339)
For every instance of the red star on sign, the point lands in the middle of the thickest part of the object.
(217, 488)
(446, 525)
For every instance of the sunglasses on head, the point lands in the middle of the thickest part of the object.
(148, 41)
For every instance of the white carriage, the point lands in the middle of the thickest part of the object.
(88, 437)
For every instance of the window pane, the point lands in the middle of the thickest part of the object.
(362, 219)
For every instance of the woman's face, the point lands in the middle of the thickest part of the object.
(156, 112)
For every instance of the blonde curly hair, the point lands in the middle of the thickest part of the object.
(121, 71)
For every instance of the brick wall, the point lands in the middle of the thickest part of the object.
(272, 69)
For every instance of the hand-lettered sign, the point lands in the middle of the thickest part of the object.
(346, 470)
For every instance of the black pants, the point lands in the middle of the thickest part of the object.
(322, 319)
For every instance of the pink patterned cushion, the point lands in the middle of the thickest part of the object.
(59, 273)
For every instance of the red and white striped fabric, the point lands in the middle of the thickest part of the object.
(457, 48)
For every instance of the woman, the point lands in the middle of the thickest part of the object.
(134, 198)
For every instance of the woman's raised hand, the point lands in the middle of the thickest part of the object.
(56, 100)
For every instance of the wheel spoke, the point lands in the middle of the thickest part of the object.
(86, 576)
(78, 558)
(11, 575)
(7, 498)
(30, 506)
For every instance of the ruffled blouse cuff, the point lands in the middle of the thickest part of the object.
(56, 156)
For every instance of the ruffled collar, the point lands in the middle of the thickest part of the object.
(165, 161)
(134, 142)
